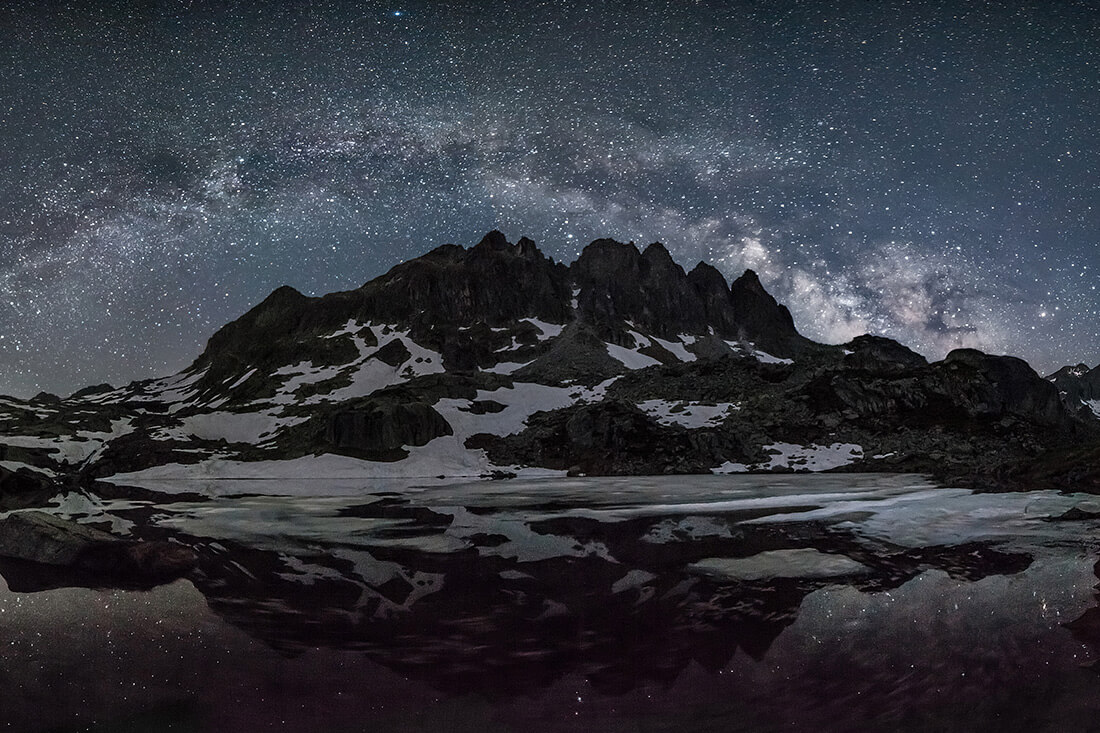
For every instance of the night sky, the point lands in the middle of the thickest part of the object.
(922, 170)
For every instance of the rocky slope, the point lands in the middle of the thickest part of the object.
(496, 360)
(1079, 387)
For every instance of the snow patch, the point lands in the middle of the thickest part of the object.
(676, 348)
(630, 358)
(730, 467)
(799, 458)
(243, 379)
(177, 389)
(235, 427)
(761, 356)
(811, 457)
(549, 330)
(635, 578)
(766, 358)
(369, 374)
(686, 528)
(444, 456)
(76, 449)
(506, 367)
(687, 414)
(797, 563)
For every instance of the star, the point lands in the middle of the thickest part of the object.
(922, 175)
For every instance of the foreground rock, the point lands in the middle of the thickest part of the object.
(48, 540)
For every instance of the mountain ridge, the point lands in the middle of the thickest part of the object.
(496, 360)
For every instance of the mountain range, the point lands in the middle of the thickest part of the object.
(495, 360)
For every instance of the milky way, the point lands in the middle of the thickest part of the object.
(921, 170)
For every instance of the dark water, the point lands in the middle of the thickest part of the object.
(664, 604)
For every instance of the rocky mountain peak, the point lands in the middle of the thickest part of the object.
(760, 317)
(446, 297)
(494, 241)
(656, 255)
(477, 361)
(749, 279)
(527, 249)
(1078, 386)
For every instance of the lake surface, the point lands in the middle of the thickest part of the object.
(835, 602)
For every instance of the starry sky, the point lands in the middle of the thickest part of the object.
(923, 170)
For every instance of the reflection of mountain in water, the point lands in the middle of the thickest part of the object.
(1086, 627)
(495, 602)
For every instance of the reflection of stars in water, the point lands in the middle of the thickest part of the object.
(904, 172)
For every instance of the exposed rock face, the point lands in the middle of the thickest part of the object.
(451, 298)
(761, 319)
(49, 540)
(578, 355)
(886, 378)
(714, 294)
(452, 285)
(619, 284)
(970, 414)
(986, 385)
(274, 333)
(378, 430)
(611, 437)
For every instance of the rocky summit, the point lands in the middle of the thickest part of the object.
(495, 360)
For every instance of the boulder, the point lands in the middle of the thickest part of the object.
(878, 354)
(987, 385)
(49, 540)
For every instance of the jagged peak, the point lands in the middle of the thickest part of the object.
(445, 252)
(657, 252)
(706, 274)
(283, 294)
(497, 243)
(494, 241)
(606, 244)
(527, 247)
(607, 259)
(749, 279)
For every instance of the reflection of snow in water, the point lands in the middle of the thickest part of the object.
(933, 649)
(902, 509)
(798, 563)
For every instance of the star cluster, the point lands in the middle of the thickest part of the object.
(924, 170)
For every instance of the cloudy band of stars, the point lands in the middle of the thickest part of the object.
(920, 170)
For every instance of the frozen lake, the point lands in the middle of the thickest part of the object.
(680, 603)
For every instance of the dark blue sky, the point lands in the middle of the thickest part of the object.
(922, 170)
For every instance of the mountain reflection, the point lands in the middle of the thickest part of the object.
(672, 603)
(623, 603)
